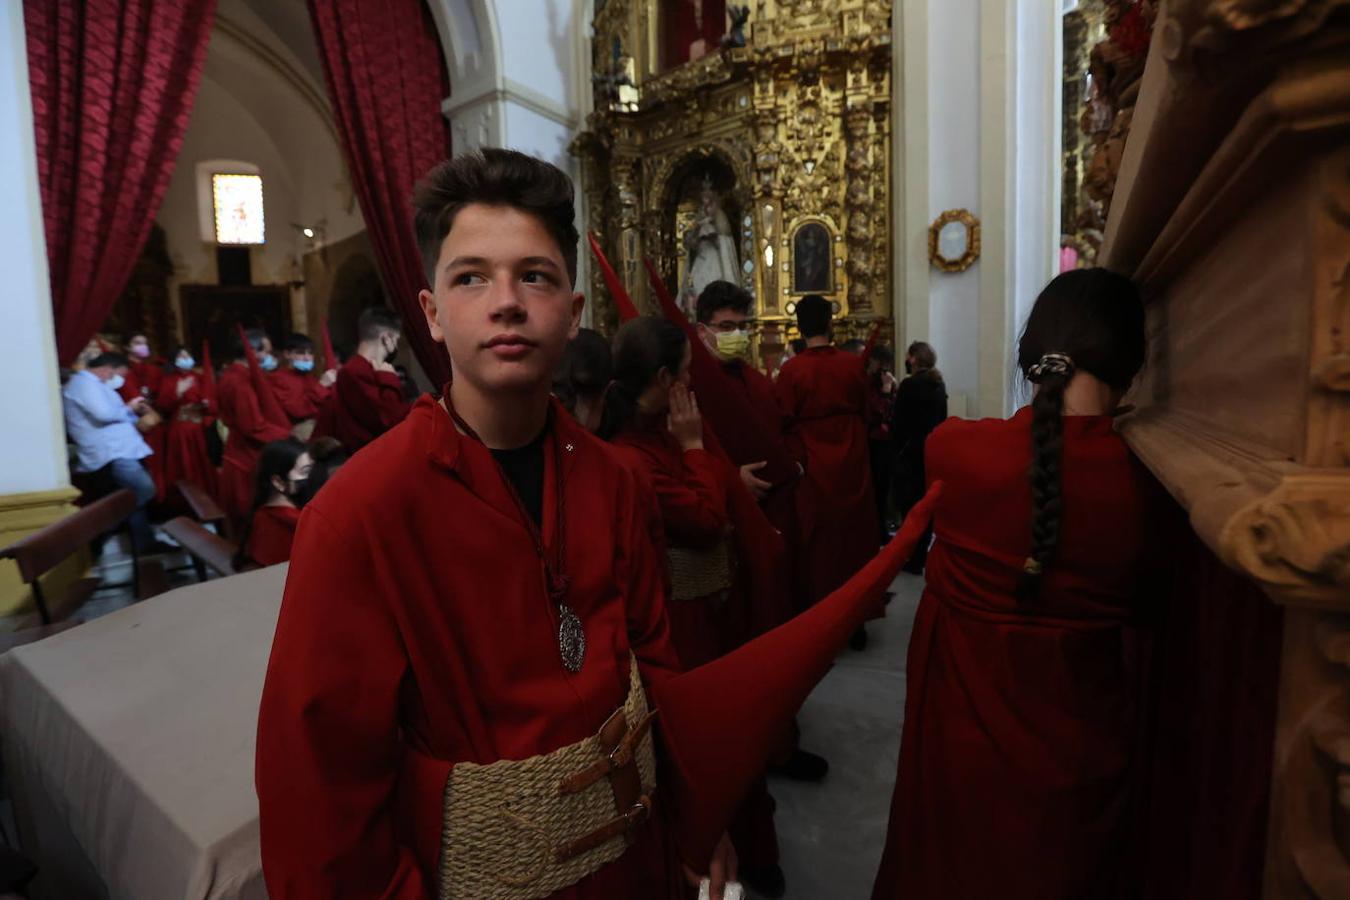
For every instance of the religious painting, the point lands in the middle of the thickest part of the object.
(811, 273)
(237, 202)
(691, 29)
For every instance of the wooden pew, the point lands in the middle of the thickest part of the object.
(204, 507)
(40, 552)
(207, 549)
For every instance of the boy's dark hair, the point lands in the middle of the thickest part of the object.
(375, 321)
(798, 346)
(585, 370)
(719, 295)
(110, 358)
(854, 345)
(883, 356)
(495, 177)
(642, 348)
(255, 339)
(813, 316)
(298, 343)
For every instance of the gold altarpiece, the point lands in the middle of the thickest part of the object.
(791, 130)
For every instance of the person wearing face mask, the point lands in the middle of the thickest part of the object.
(723, 312)
(302, 394)
(367, 398)
(108, 448)
(145, 373)
(278, 494)
(189, 412)
(241, 412)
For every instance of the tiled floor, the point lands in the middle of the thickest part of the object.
(831, 834)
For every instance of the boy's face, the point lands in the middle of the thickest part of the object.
(502, 302)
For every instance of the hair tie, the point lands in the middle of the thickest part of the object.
(1051, 364)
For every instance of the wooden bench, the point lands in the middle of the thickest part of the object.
(44, 550)
(204, 507)
(207, 549)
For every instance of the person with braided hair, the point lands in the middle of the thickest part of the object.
(1019, 770)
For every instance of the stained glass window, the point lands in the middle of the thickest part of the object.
(238, 201)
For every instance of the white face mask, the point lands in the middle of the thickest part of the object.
(116, 382)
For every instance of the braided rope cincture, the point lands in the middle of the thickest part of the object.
(504, 821)
(701, 573)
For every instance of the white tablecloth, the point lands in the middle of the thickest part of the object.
(128, 745)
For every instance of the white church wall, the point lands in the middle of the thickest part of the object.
(978, 119)
(32, 451)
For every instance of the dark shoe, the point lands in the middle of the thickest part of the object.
(859, 639)
(766, 881)
(912, 567)
(155, 548)
(887, 597)
(802, 765)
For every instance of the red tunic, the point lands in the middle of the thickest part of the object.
(1017, 775)
(364, 404)
(143, 379)
(301, 395)
(271, 533)
(188, 416)
(823, 394)
(249, 431)
(703, 501)
(416, 618)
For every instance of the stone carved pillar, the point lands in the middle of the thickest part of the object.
(1233, 191)
(858, 207)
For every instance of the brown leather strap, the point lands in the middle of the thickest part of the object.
(621, 741)
(622, 824)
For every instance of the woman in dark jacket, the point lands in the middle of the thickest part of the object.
(920, 406)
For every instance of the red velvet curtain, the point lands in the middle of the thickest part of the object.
(386, 79)
(113, 84)
(1217, 673)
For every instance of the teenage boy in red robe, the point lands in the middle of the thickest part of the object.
(145, 373)
(367, 398)
(301, 393)
(724, 311)
(823, 394)
(244, 415)
(477, 586)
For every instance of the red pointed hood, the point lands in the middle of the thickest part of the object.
(268, 404)
(720, 720)
(208, 375)
(330, 360)
(622, 301)
(721, 404)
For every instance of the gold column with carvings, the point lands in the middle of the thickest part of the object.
(1233, 211)
(794, 129)
(20, 516)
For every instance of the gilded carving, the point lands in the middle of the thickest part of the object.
(1296, 541)
(798, 119)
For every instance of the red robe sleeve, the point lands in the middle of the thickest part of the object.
(691, 492)
(375, 402)
(249, 420)
(328, 747)
(642, 569)
(300, 396)
(786, 390)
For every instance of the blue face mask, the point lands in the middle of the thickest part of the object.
(267, 361)
(185, 362)
(116, 382)
(303, 365)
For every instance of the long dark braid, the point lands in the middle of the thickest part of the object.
(1047, 503)
(1087, 320)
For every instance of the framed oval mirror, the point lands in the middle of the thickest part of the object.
(954, 240)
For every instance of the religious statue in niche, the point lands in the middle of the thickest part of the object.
(811, 259)
(710, 246)
(692, 29)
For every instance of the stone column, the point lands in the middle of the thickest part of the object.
(34, 481)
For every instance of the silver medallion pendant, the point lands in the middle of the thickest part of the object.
(571, 639)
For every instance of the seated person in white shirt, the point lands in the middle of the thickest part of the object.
(103, 429)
